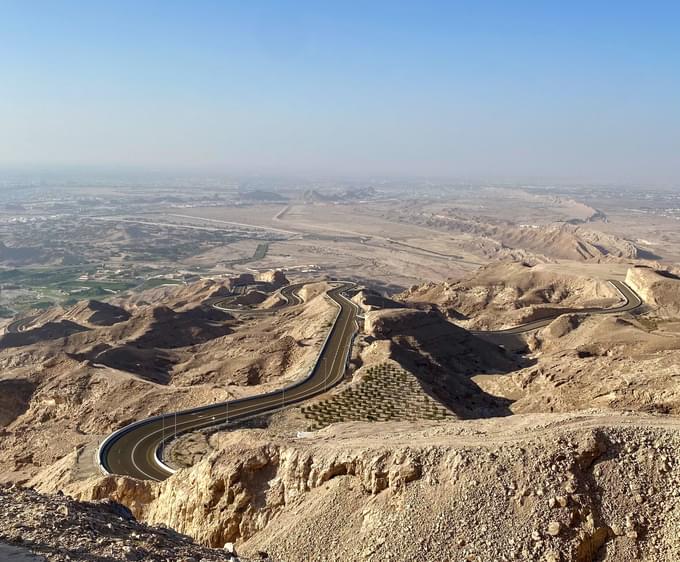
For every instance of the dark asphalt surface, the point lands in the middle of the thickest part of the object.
(17, 326)
(132, 450)
(289, 294)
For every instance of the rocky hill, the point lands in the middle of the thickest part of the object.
(660, 288)
(64, 384)
(368, 300)
(563, 447)
(565, 241)
(259, 195)
(98, 313)
(502, 239)
(55, 528)
(441, 356)
(348, 195)
(180, 296)
(507, 294)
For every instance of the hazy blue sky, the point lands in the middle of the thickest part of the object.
(582, 89)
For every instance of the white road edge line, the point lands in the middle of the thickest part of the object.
(194, 411)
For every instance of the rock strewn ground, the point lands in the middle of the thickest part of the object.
(553, 488)
(59, 529)
(583, 492)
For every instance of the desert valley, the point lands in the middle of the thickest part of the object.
(492, 372)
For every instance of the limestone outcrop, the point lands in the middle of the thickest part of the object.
(658, 288)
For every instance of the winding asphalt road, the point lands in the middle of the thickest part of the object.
(20, 325)
(631, 301)
(135, 450)
(289, 294)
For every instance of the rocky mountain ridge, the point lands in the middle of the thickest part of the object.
(55, 528)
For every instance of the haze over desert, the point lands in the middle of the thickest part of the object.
(318, 282)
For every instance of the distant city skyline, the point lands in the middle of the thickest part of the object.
(509, 91)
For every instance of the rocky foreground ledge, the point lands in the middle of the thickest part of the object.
(55, 528)
(586, 487)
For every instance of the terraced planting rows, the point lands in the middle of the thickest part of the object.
(386, 393)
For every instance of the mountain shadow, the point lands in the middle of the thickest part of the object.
(444, 357)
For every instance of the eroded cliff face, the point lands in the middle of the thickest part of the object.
(56, 528)
(658, 288)
(502, 295)
(231, 496)
(531, 488)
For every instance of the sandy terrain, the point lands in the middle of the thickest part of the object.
(560, 445)
(120, 365)
(397, 243)
(567, 451)
(508, 294)
(592, 486)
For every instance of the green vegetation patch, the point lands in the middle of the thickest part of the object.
(159, 282)
(386, 393)
(259, 254)
(6, 312)
(43, 277)
(47, 287)
(261, 251)
(99, 287)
